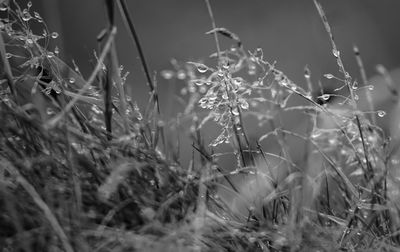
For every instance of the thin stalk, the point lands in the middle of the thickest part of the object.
(210, 13)
(7, 67)
(365, 83)
(132, 32)
(336, 52)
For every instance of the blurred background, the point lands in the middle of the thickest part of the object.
(289, 31)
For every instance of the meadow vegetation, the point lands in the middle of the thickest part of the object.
(83, 168)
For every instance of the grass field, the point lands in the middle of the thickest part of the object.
(84, 168)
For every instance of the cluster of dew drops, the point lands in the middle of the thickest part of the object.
(355, 87)
(25, 16)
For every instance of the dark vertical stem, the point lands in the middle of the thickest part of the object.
(129, 23)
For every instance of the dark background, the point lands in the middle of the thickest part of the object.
(289, 31)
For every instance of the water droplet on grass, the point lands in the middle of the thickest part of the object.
(29, 4)
(167, 74)
(237, 81)
(235, 111)
(370, 87)
(244, 104)
(328, 76)
(202, 68)
(50, 111)
(307, 74)
(381, 113)
(54, 35)
(252, 69)
(72, 80)
(96, 110)
(199, 82)
(26, 16)
(37, 15)
(181, 75)
(336, 53)
(325, 97)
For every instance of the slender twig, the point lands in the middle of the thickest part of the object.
(210, 13)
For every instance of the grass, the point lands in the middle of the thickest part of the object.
(83, 168)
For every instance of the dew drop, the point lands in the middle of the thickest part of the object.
(26, 16)
(316, 134)
(37, 15)
(274, 92)
(29, 41)
(328, 76)
(8, 55)
(3, 8)
(199, 82)
(181, 75)
(167, 74)
(325, 97)
(50, 54)
(72, 80)
(356, 97)
(54, 35)
(244, 104)
(395, 161)
(381, 113)
(184, 91)
(202, 89)
(202, 68)
(370, 87)
(56, 50)
(96, 109)
(192, 89)
(355, 85)
(220, 73)
(307, 74)
(237, 81)
(235, 111)
(335, 53)
(252, 69)
(50, 111)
